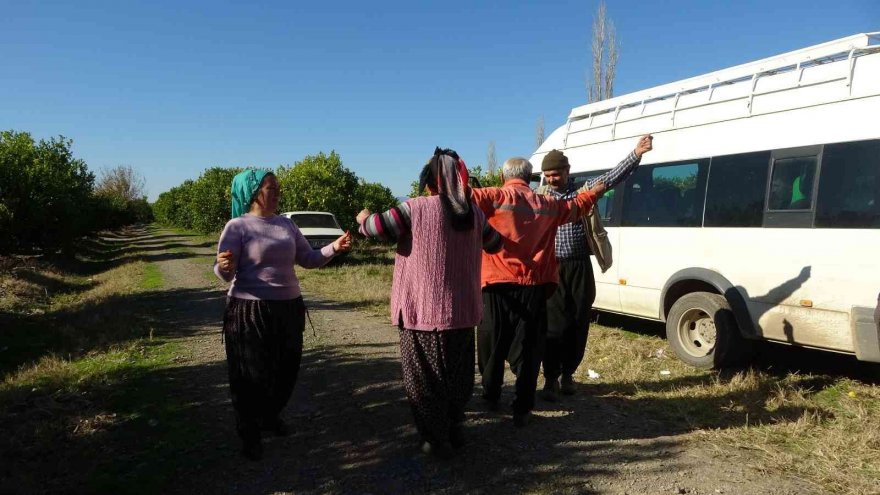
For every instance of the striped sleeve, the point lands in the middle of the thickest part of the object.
(617, 174)
(491, 239)
(390, 225)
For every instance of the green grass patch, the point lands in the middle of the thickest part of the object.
(102, 407)
(362, 279)
(820, 426)
(86, 391)
(152, 277)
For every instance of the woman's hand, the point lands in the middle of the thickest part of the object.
(363, 216)
(225, 261)
(343, 244)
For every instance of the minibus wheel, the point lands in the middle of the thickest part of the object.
(702, 331)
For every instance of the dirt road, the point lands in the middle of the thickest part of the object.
(354, 433)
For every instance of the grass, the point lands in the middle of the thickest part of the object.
(802, 413)
(361, 279)
(79, 393)
(152, 277)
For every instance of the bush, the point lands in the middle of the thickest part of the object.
(209, 199)
(316, 183)
(46, 196)
(320, 183)
(374, 197)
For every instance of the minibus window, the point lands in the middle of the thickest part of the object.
(736, 191)
(849, 186)
(666, 195)
(606, 202)
(791, 186)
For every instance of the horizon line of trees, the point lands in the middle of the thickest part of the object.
(316, 183)
(49, 198)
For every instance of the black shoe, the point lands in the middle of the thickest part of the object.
(522, 419)
(568, 387)
(551, 391)
(440, 450)
(252, 449)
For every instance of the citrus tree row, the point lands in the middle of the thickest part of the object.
(316, 183)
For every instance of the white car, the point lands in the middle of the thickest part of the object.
(319, 227)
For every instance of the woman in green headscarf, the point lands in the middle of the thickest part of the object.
(265, 314)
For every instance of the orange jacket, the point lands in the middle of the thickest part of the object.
(527, 223)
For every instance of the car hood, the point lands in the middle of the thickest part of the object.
(312, 231)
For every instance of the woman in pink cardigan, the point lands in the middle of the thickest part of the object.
(435, 295)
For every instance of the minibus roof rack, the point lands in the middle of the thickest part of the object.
(849, 47)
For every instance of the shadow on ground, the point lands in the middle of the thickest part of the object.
(170, 430)
(770, 357)
(28, 336)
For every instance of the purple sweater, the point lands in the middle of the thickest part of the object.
(264, 250)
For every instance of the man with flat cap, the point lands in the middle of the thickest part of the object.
(568, 309)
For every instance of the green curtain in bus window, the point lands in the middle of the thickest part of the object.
(791, 187)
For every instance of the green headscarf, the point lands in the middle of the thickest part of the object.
(244, 187)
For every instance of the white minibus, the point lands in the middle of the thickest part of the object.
(757, 215)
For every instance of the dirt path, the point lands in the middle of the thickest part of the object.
(354, 434)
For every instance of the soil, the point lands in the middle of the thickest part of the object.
(353, 430)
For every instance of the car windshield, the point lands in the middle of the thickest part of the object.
(314, 221)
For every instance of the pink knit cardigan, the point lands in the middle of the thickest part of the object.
(437, 271)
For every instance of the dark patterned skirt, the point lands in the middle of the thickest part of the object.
(264, 341)
(438, 375)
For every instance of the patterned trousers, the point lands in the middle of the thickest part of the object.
(438, 375)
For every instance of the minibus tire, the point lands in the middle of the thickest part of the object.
(689, 327)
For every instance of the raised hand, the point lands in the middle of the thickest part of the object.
(644, 145)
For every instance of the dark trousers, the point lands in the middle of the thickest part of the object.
(568, 318)
(513, 329)
(438, 376)
(264, 342)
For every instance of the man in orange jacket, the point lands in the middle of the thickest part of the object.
(516, 280)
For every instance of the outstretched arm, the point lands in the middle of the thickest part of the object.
(390, 225)
(580, 205)
(625, 168)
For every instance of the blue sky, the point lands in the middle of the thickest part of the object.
(172, 88)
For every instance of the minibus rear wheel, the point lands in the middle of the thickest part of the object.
(702, 331)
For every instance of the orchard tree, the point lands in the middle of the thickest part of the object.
(210, 199)
(319, 183)
(46, 198)
(374, 197)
